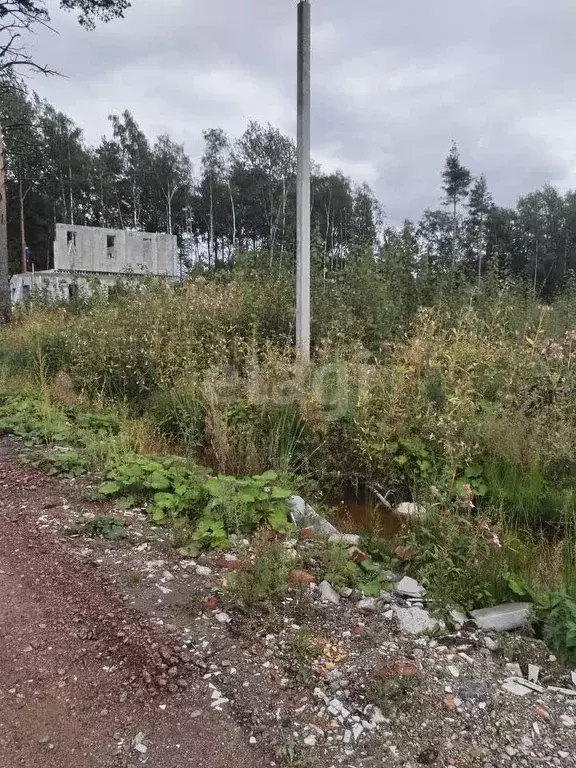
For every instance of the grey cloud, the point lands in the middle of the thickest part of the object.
(394, 83)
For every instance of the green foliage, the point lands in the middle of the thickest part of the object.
(291, 755)
(300, 653)
(34, 418)
(105, 526)
(474, 478)
(554, 614)
(337, 567)
(242, 504)
(218, 506)
(558, 615)
(527, 496)
(179, 416)
(456, 558)
(107, 423)
(65, 463)
(265, 578)
(169, 487)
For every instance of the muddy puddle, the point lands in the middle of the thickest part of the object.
(355, 515)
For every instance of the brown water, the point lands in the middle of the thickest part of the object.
(356, 515)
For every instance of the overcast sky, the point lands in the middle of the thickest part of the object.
(393, 84)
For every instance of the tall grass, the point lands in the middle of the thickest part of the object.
(479, 380)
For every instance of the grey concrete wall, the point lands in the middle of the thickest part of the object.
(59, 285)
(90, 249)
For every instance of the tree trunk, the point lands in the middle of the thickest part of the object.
(70, 183)
(454, 231)
(102, 203)
(233, 220)
(211, 235)
(535, 286)
(283, 220)
(169, 210)
(134, 205)
(327, 234)
(480, 249)
(119, 208)
(64, 203)
(5, 297)
(22, 223)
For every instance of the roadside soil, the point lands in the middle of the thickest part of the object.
(79, 664)
(118, 654)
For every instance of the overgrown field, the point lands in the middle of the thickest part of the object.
(465, 404)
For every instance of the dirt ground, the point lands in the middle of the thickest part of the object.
(76, 661)
(118, 654)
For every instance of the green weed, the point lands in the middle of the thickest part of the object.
(105, 527)
(265, 577)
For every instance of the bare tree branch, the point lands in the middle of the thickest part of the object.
(18, 17)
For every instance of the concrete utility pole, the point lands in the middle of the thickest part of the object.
(303, 187)
(5, 297)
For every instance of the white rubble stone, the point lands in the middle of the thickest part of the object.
(514, 669)
(375, 714)
(350, 539)
(415, 621)
(408, 510)
(409, 587)
(304, 516)
(502, 618)
(533, 673)
(367, 605)
(526, 684)
(328, 594)
(458, 618)
(454, 671)
(491, 644)
(516, 688)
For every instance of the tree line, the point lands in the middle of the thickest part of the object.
(535, 241)
(242, 198)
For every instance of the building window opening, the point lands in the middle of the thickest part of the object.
(110, 244)
(71, 239)
(72, 291)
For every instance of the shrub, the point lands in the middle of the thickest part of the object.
(460, 560)
(264, 577)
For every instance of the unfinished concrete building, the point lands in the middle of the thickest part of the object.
(84, 256)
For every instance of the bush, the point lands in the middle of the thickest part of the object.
(458, 559)
(264, 577)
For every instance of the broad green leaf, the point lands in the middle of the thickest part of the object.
(280, 493)
(371, 588)
(158, 481)
(278, 521)
(248, 497)
(191, 550)
(109, 488)
(218, 486)
(268, 477)
(158, 515)
(165, 500)
(125, 502)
